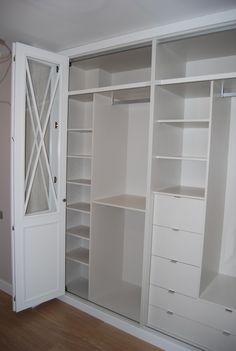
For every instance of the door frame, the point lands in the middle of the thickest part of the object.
(19, 54)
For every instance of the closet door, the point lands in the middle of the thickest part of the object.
(38, 175)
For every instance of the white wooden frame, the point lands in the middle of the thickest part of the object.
(19, 220)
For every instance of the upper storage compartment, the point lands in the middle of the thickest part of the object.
(192, 57)
(108, 69)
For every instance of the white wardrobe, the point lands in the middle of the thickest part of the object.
(108, 138)
(149, 195)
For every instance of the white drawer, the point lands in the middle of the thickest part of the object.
(176, 276)
(197, 333)
(178, 245)
(198, 310)
(179, 213)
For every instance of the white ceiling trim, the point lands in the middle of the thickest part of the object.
(209, 23)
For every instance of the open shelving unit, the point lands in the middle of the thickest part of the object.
(131, 66)
(193, 182)
(109, 98)
(199, 58)
(181, 138)
(79, 165)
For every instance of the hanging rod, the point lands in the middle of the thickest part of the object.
(133, 101)
(222, 92)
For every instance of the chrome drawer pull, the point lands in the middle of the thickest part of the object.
(225, 332)
(170, 291)
(173, 261)
(175, 229)
(229, 310)
(170, 312)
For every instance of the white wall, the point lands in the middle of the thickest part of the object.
(5, 125)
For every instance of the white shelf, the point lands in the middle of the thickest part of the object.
(193, 79)
(109, 88)
(80, 255)
(124, 299)
(183, 158)
(80, 231)
(186, 123)
(80, 130)
(80, 207)
(221, 291)
(78, 287)
(183, 191)
(81, 181)
(131, 202)
(79, 156)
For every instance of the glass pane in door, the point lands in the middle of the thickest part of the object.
(41, 136)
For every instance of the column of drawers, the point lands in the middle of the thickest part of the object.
(178, 226)
(174, 306)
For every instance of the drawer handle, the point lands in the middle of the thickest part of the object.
(225, 332)
(175, 229)
(177, 197)
(170, 312)
(170, 291)
(173, 261)
(229, 310)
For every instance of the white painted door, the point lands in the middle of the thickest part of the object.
(40, 82)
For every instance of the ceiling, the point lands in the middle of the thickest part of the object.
(61, 24)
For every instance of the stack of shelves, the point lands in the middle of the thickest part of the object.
(181, 139)
(80, 133)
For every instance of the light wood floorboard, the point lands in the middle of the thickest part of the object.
(56, 326)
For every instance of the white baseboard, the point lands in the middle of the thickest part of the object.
(153, 337)
(6, 287)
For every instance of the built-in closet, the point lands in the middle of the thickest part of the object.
(192, 269)
(143, 187)
(107, 178)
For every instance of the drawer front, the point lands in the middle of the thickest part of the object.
(195, 309)
(178, 245)
(176, 276)
(179, 213)
(197, 333)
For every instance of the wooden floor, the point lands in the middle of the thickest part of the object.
(56, 326)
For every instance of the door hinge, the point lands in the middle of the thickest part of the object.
(14, 298)
(56, 125)
(57, 69)
(70, 64)
(13, 228)
(54, 180)
(14, 58)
